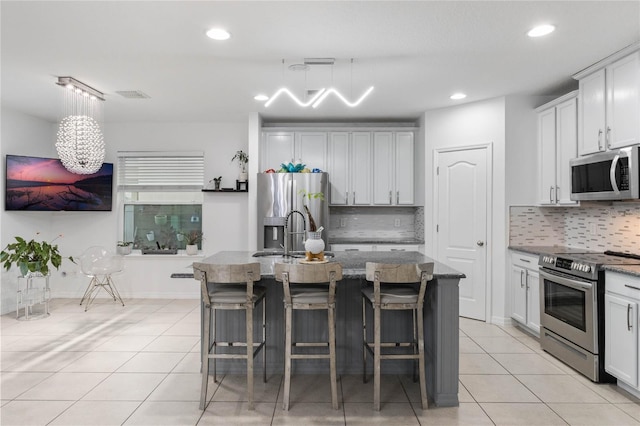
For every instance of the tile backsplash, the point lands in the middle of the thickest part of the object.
(590, 226)
(381, 222)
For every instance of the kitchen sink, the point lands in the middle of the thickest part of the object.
(280, 255)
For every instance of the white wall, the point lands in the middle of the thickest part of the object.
(470, 124)
(225, 215)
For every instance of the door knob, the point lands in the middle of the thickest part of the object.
(480, 243)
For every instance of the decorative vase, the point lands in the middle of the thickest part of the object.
(216, 185)
(160, 219)
(314, 243)
(192, 249)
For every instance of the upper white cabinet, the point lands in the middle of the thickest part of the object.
(276, 148)
(393, 168)
(350, 168)
(609, 103)
(557, 144)
(283, 147)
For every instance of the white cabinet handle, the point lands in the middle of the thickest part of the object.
(557, 192)
(390, 192)
(550, 195)
(628, 319)
(397, 197)
(607, 139)
(599, 139)
(521, 276)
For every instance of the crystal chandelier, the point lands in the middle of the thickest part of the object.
(80, 143)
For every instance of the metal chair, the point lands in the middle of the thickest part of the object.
(309, 286)
(231, 287)
(99, 264)
(392, 296)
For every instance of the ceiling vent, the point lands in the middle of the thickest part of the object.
(319, 61)
(133, 94)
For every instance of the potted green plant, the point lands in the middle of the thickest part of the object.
(32, 257)
(216, 182)
(243, 159)
(192, 239)
(124, 247)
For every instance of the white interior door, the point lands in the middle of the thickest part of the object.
(461, 219)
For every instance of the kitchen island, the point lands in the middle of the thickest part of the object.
(440, 320)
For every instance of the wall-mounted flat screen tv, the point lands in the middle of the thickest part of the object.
(43, 184)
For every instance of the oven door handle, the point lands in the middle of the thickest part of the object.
(580, 285)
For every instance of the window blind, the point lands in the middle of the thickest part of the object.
(156, 171)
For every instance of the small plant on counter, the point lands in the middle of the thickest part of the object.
(193, 237)
(32, 256)
(309, 196)
(124, 243)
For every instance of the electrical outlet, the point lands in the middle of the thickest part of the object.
(343, 222)
(396, 223)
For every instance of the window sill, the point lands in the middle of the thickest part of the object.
(181, 254)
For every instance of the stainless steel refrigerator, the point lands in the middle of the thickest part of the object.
(281, 193)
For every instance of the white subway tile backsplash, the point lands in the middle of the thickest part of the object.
(590, 226)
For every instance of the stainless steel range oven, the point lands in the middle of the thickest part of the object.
(572, 309)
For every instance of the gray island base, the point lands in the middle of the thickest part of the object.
(440, 322)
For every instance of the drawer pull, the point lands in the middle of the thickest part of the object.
(525, 260)
(630, 286)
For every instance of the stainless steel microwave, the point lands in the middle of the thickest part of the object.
(611, 175)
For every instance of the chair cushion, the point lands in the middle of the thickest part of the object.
(309, 294)
(232, 294)
(395, 294)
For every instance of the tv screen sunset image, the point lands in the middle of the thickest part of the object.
(43, 184)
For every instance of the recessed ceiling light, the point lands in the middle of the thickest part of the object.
(261, 98)
(218, 34)
(541, 30)
(457, 96)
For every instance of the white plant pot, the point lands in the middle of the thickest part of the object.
(192, 249)
(124, 250)
(243, 176)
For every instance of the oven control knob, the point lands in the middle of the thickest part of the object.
(587, 268)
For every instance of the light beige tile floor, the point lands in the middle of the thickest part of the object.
(139, 365)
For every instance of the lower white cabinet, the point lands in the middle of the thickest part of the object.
(622, 295)
(525, 290)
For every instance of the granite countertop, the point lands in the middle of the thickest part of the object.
(633, 270)
(548, 249)
(353, 263)
(375, 240)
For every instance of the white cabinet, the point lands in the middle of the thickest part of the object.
(276, 148)
(557, 144)
(283, 147)
(609, 104)
(525, 290)
(393, 168)
(621, 300)
(350, 168)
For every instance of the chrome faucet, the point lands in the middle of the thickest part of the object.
(287, 233)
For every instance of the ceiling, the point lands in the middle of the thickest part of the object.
(415, 54)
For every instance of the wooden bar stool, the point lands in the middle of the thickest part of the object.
(392, 296)
(309, 286)
(231, 287)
